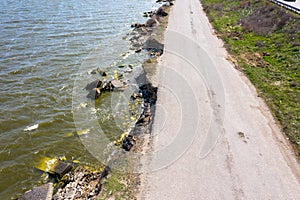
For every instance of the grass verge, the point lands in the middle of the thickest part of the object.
(263, 40)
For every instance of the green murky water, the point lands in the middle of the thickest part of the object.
(45, 47)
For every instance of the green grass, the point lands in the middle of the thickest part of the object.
(264, 39)
(119, 186)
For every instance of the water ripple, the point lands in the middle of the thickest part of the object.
(42, 45)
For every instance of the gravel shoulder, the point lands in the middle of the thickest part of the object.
(213, 137)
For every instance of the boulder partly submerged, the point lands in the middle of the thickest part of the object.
(53, 166)
(98, 87)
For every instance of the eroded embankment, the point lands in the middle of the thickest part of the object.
(102, 182)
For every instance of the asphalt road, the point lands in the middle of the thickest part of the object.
(213, 137)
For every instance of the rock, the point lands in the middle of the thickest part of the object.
(150, 22)
(151, 13)
(137, 25)
(168, 4)
(294, 84)
(107, 87)
(259, 44)
(62, 168)
(167, 1)
(117, 83)
(96, 71)
(153, 45)
(137, 45)
(134, 38)
(296, 44)
(155, 54)
(143, 120)
(94, 93)
(95, 84)
(128, 143)
(104, 174)
(241, 134)
(136, 95)
(149, 94)
(128, 70)
(98, 88)
(43, 192)
(145, 14)
(145, 117)
(143, 31)
(161, 12)
(53, 166)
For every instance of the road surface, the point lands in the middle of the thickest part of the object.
(295, 6)
(213, 137)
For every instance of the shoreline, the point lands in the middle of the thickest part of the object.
(74, 184)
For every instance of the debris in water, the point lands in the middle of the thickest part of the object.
(83, 132)
(53, 166)
(70, 134)
(31, 128)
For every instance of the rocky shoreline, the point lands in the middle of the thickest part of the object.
(87, 183)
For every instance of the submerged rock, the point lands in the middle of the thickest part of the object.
(145, 14)
(97, 87)
(94, 93)
(53, 166)
(95, 84)
(99, 71)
